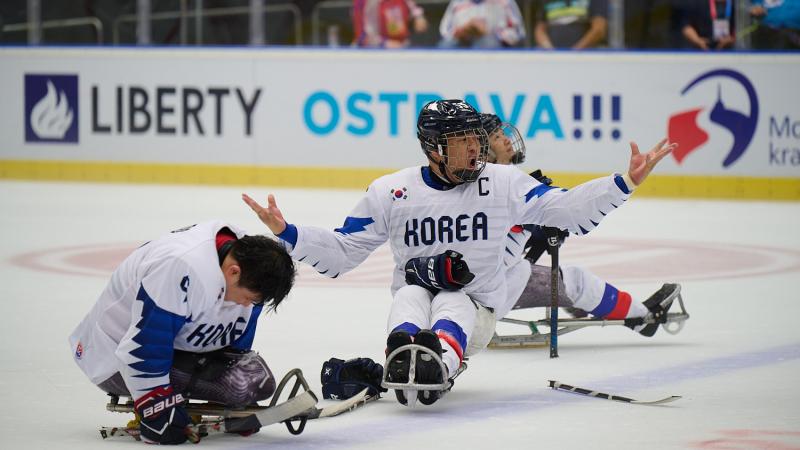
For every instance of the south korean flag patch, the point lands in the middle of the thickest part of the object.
(399, 194)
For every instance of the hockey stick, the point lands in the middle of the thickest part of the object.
(294, 412)
(344, 406)
(552, 248)
(565, 387)
(208, 409)
(219, 424)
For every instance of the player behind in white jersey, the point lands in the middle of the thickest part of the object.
(447, 223)
(581, 291)
(177, 320)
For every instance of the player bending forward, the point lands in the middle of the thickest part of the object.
(177, 320)
(582, 291)
(432, 215)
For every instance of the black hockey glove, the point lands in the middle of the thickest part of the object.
(447, 271)
(538, 242)
(344, 379)
(541, 178)
(163, 417)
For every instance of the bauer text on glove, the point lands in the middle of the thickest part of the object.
(447, 271)
(163, 417)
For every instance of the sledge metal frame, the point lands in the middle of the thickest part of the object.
(295, 422)
(193, 409)
(673, 325)
(412, 385)
(212, 418)
(411, 388)
(293, 409)
(205, 408)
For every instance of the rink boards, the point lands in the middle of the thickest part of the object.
(340, 118)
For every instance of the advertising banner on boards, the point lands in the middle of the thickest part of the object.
(732, 114)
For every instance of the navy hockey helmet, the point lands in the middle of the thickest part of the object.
(442, 120)
(491, 123)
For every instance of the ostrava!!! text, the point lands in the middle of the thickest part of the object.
(171, 110)
(784, 142)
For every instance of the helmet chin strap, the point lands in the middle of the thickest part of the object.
(443, 169)
(444, 177)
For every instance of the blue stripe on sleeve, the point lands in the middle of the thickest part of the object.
(156, 336)
(621, 184)
(354, 225)
(538, 191)
(289, 234)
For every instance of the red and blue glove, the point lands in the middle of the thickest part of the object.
(447, 271)
(163, 419)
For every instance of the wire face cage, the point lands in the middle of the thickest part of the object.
(465, 153)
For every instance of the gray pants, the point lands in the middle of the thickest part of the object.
(537, 292)
(244, 381)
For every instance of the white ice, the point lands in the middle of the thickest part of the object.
(736, 363)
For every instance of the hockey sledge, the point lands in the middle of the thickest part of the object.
(411, 388)
(213, 418)
(534, 338)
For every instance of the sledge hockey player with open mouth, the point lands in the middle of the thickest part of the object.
(447, 222)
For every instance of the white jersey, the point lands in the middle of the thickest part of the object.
(419, 218)
(168, 294)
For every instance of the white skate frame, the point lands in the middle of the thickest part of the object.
(412, 385)
(411, 388)
(673, 325)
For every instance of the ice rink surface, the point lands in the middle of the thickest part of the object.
(736, 363)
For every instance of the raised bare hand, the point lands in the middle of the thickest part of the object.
(642, 164)
(271, 216)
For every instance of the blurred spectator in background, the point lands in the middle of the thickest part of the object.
(779, 24)
(482, 24)
(575, 24)
(385, 23)
(707, 24)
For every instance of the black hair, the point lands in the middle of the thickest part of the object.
(267, 268)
